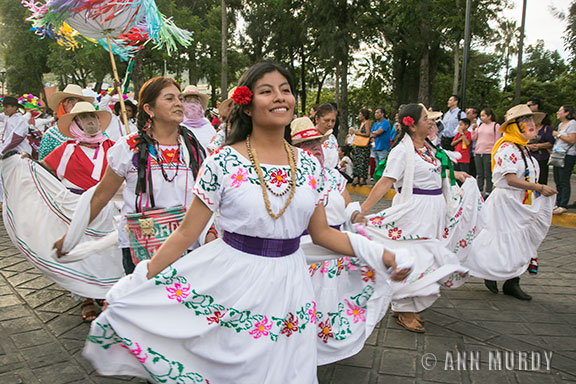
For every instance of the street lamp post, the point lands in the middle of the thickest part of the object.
(3, 78)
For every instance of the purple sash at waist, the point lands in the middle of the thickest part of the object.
(76, 191)
(336, 227)
(430, 192)
(261, 247)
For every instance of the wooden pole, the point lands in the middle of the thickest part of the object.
(118, 87)
(520, 49)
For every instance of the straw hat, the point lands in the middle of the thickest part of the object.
(193, 90)
(302, 129)
(434, 115)
(71, 90)
(83, 107)
(521, 110)
(226, 105)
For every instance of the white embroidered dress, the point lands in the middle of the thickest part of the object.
(514, 231)
(221, 315)
(435, 229)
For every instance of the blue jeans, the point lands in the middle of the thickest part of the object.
(380, 155)
(562, 180)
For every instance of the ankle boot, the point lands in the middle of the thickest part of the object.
(512, 288)
(491, 285)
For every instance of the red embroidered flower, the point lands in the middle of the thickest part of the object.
(312, 269)
(216, 318)
(368, 274)
(459, 213)
(279, 177)
(448, 283)
(513, 158)
(339, 266)
(463, 243)
(290, 325)
(445, 235)
(394, 233)
(463, 275)
(499, 161)
(168, 155)
(242, 95)
(325, 331)
(408, 121)
(132, 142)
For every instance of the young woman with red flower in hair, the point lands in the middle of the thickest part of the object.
(241, 308)
(430, 216)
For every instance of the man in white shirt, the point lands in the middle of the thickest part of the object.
(450, 122)
(15, 129)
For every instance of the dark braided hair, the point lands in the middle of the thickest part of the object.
(148, 95)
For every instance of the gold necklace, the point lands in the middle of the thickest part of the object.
(292, 188)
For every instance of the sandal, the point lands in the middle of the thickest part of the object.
(408, 320)
(88, 312)
(418, 317)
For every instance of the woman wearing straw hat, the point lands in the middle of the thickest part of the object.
(195, 103)
(339, 282)
(430, 216)
(80, 162)
(61, 103)
(225, 108)
(518, 211)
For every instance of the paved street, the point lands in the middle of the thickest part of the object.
(41, 333)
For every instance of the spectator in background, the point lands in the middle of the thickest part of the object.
(462, 143)
(345, 165)
(541, 145)
(15, 128)
(380, 133)
(324, 121)
(485, 136)
(362, 148)
(565, 142)
(450, 122)
(472, 114)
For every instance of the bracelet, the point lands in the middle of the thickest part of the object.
(213, 231)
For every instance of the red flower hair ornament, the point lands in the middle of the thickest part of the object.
(242, 95)
(408, 121)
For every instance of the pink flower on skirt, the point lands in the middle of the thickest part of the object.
(178, 292)
(261, 328)
(355, 311)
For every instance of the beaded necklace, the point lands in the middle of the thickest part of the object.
(426, 154)
(160, 160)
(292, 188)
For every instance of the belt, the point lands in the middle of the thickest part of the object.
(429, 192)
(260, 246)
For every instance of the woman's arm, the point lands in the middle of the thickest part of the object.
(182, 238)
(48, 167)
(570, 138)
(378, 191)
(516, 182)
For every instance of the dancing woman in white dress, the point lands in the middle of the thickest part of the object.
(240, 309)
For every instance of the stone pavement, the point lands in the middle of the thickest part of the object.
(41, 333)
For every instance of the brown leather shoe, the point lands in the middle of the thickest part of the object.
(409, 321)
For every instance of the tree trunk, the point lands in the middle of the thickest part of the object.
(424, 83)
(337, 86)
(344, 95)
(456, 68)
(303, 75)
(224, 75)
(138, 73)
(321, 84)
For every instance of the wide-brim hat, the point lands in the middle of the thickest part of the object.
(434, 115)
(71, 90)
(521, 110)
(192, 90)
(302, 129)
(83, 107)
(226, 104)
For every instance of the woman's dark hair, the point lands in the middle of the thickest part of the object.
(240, 122)
(571, 111)
(366, 113)
(323, 109)
(409, 110)
(488, 112)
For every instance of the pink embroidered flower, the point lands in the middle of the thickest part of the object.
(136, 352)
(261, 328)
(463, 243)
(290, 325)
(312, 313)
(325, 265)
(178, 292)
(312, 182)
(448, 283)
(377, 221)
(216, 318)
(513, 158)
(278, 178)
(356, 311)
(394, 233)
(349, 264)
(325, 331)
(368, 274)
(459, 213)
(474, 230)
(445, 234)
(240, 177)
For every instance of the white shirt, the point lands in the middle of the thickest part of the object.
(17, 124)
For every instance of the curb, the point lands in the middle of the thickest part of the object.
(567, 220)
